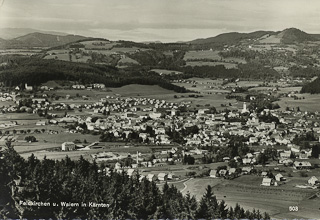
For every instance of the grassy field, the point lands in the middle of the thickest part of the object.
(205, 63)
(165, 72)
(210, 55)
(246, 191)
(310, 102)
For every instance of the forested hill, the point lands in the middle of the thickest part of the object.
(34, 71)
(82, 182)
(312, 87)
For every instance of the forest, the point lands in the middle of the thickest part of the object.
(53, 181)
(35, 71)
(312, 87)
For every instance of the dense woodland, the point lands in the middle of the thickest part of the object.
(312, 87)
(35, 71)
(82, 181)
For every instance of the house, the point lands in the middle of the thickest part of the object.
(162, 177)
(313, 181)
(279, 177)
(226, 159)
(131, 172)
(66, 146)
(151, 177)
(267, 182)
(302, 165)
(223, 172)
(232, 170)
(172, 176)
(286, 162)
(246, 161)
(285, 155)
(117, 166)
(264, 174)
(213, 173)
(246, 170)
(28, 88)
(141, 178)
(41, 123)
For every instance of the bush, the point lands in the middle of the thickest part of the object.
(191, 174)
(30, 139)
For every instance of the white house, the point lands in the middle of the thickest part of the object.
(151, 177)
(162, 177)
(131, 172)
(313, 180)
(267, 182)
(213, 173)
(279, 177)
(66, 146)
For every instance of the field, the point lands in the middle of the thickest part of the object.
(246, 190)
(205, 63)
(165, 72)
(210, 55)
(310, 102)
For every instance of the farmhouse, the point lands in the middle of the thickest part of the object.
(302, 165)
(213, 173)
(131, 172)
(267, 182)
(66, 146)
(162, 177)
(313, 181)
(279, 177)
(151, 177)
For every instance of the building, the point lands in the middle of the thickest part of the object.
(213, 173)
(313, 181)
(302, 165)
(279, 177)
(162, 177)
(131, 172)
(66, 146)
(28, 88)
(244, 109)
(151, 177)
(267, 182)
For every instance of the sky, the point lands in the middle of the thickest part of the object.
(163, 20)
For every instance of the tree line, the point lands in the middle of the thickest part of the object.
(80, 181)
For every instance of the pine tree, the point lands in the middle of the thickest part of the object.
(208, 205)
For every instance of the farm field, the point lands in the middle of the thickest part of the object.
(165, 72)
(206, 63)
(273, 200)
(310, 102)
(210, 55)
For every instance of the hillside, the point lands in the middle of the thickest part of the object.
(293, 35)
(11, 33)
(287, 36)
(231, 38)
(312, 87)
(41, 40)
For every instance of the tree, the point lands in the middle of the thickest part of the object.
(315, 151)
(30, 139)
(208, 205)
(232, 163)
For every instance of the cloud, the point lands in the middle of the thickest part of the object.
(167, 19)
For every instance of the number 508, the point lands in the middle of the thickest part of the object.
(293, 208)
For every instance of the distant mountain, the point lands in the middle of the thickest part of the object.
(231, 38)
(41, 40)
(11, 33)
(294, 35)
(287, 36)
